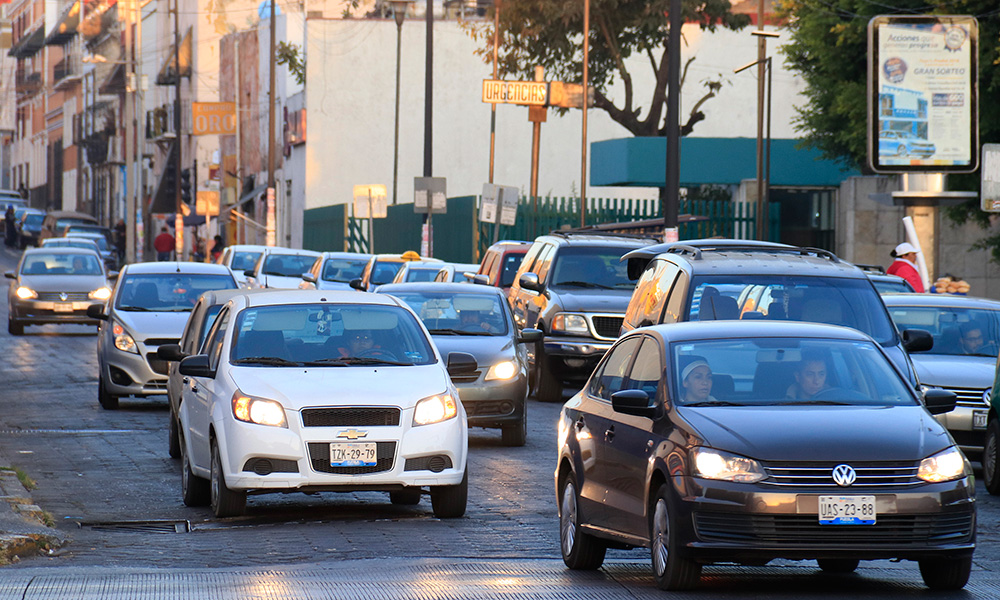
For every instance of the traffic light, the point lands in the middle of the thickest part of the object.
(186, 186)
(170, 176)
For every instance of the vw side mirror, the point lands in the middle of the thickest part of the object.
(527, 336)
(196, 366)
(96, 311)
(939, 401)
(633, 402)
(917, 340)
(170, 352)
(461, 363)
(529, 281)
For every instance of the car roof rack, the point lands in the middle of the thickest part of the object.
(568, 233)
(697, 250)
(875, 269)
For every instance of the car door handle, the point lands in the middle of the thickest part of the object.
(185, 381)
(580, 424)
(610, 433)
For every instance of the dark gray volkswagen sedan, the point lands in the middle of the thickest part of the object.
(750, 441)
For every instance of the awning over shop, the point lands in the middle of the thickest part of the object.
(115, 82)
(165, 196)
(66, 26)
(28, 44)
(168, 72)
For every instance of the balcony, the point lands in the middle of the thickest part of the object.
(160, 123)
(26, 84)
(66, 73)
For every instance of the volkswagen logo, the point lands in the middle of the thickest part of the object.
(844, 475)
(986, 396)
(63, 296)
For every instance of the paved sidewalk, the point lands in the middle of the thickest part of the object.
(22, 529)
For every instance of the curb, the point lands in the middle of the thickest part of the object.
(23, 532)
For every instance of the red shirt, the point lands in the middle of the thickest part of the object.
(164, 242)
(905, 269)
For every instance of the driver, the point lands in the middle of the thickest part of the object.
(473, 320)
(358, 342)
(972, 339)
(810, 378)
(696, 381)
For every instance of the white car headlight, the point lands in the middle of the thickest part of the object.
(123, 341)
(716, 464)
(435, 409)
(25, 293)
(946, 465)
(570, 323)
(502, 370)
(258, 410)
(102, 293)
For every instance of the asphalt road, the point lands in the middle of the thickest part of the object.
(106, 479)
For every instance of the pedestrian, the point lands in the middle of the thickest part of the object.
(10, 232)
(120, 239)
(164, 244)
(217, 248)
(197, 249)
(905, 265)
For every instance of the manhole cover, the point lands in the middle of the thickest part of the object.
(164, 526)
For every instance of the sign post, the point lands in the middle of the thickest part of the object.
(370, 203)
(990, 187)
(429, 197)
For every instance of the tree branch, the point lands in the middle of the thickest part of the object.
(627, 119)
(616, 53)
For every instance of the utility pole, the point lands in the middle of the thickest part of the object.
(428, 122)
(761, 57)
(670, 200)
(270, 118)
(586, 94)
(179, 216)
(130, 132)
(493, 106)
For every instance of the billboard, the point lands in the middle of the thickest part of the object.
(923, 113)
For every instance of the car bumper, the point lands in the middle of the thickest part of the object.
(429, 455)
(494, 403)
(131, 374)
(574, 358)
(724, 521)
(961, 423)
(39, 312)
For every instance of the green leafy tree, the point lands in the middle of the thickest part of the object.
(549, 33)
(290, 55)
(828, 47)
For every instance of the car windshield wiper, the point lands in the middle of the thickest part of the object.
(365, 360)
(583, 284)
(457, 332)
(276, 273)
(272, 361)
(327, 362)
(816, 402)
(715, 403)
(136, 308)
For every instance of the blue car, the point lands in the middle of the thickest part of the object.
(903, 144)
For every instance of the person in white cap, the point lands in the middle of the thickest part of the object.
(696, 379)
(905, 265)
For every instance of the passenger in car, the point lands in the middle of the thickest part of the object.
(696, 380)
(810, 378)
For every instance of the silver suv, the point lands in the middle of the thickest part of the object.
(148, 308)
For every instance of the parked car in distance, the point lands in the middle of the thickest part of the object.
(417, 271)
(75, 229)
(477, 320)
(192, 339)
(501, 262)
(71, 242)
(11, 198)
(55, 285)
(29, 226)
(719, 279)
(280, 268)
(56, 221)
(109, 254)
(319, 390)
(573, 287)
(381, 268)
(456, 272)
(747, 441)
(334, 271)
(147, 309)
(966, 331)
(885, 283)
(241, 258)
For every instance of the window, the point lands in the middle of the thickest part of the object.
(611, 377)
(543, 262)
(646, 370)
(594, 267)
(511, 262)
(216, 337)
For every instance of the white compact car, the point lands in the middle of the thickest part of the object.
(315, 391)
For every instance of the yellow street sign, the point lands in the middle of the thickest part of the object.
(207, 203)
(213, 118)
(527, 93)
(568, 95)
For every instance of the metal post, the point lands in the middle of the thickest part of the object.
(536, 114)
(586, 98)
(767, 168)
(129, 14)
(761, 56)
(671, 197)
(429, 119)
(371, 223)
(493, 106)
(239, 100)
(139, 210)
(179, 215)
(271, 100)
(395, 147)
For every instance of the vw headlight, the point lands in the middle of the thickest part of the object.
(716, 464)
(502, 370)
(570, 323)
(102, 293)
(25, 293)
(435, 409)
(946, 465)
(258, 410)
(123, 341)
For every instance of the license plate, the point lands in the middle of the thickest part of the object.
(353, 455)
(62, 307)
(847, 510)
(979, 419)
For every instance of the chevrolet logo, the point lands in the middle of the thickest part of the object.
(352, 434)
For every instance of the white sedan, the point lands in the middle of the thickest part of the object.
(322, 391)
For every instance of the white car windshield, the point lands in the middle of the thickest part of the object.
(333, 335)
(167, 292)
(287, 265)
(785, 371)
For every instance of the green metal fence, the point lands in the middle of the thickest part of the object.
(459, 237)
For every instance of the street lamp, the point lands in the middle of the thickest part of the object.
(399, 8)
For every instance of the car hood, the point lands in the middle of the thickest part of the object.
(300, 387)
(146, 325)
(487, 350)
(597, 301)
(954, 371)
(280, 282)
(64, 283)
(820, 433)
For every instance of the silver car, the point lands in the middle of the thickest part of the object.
(334, 271)
(55, 285)
(148, 308)
(280, 268)
(966, 332)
